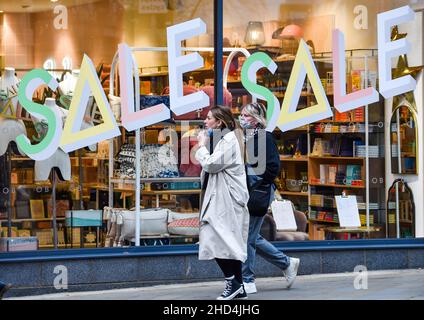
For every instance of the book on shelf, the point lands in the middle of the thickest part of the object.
(321, 147)
(61, 207)
(336, 145)
(353, 173)
(346, 147)
(22, 209)
(363, 218)
(44, 236)
(356, 80)
(37, 208)
(371, 76)
(341, 174)
(317, 200)
(373, 151)
(323, 173)
(356, 145)
(332, 171)
(145, 87)
(24, 233)
(328, 202)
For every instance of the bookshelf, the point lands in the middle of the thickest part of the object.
(343, 153)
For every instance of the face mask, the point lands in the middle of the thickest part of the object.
(210, 132)
(245, 124)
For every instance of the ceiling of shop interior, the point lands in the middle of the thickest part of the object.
(38, 5)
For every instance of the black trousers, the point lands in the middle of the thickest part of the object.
(231, 268)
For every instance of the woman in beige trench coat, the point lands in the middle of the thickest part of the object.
(224, 217)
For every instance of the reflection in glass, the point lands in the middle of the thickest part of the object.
(400, 211)
(403, 140)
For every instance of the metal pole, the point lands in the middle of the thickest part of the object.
(53, 173)
(367, 158)
(399, 151)
(397, 212)
(9, 207)
(137, 156)
(218, 44)
(80, 179)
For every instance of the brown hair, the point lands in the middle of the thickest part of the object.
(224, 114)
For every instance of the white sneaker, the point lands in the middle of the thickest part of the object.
(250, 287)
(291, 272)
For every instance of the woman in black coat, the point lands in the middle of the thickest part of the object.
(263, 166)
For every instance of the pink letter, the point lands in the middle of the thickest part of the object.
(342, 101)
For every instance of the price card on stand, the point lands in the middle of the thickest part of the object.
(347, 209)
(282, 211)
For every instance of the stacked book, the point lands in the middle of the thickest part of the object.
(372, 206)
(363, 218)
(353, 174)
(317, 200)
(323, 216)
(357, 115)
(373, 151)
(327, 173)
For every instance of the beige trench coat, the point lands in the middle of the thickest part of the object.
(224, 217)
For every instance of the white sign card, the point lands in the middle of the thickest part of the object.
(282, 212)
(347, 209)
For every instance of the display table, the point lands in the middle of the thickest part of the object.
(365, 232)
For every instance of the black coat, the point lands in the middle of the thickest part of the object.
(262, 173)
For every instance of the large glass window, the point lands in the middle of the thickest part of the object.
(338, 168)
(66, 202)
(354, 174)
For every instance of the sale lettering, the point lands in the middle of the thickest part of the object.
(285, 117)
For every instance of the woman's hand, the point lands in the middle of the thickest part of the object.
(202, 138)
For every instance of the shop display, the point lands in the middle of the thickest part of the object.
(404, 141)
(157, 222)
(400, 215)
(186, 227)
(18, 244)
(156, 160)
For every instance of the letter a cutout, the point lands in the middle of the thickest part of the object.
(73, 138)
(289, 117)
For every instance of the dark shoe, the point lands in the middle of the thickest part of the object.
(242, 295)
(3, 289)
(232, 289)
